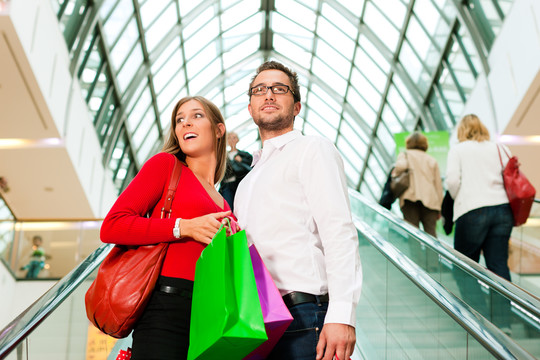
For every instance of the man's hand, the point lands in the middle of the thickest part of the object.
(338, 340)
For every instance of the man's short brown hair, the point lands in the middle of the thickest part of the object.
(274, 65)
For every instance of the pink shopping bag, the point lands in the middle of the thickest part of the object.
(275, 313)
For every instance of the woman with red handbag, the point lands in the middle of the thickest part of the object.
(482, 214)
(197, 138)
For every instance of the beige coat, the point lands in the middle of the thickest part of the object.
(425, 179)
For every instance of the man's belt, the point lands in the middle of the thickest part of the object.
(297, 297)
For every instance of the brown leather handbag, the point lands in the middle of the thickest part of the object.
(401, 182)
(126, 279)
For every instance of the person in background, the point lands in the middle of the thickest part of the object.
(197, 138)
(421, 202)
(238, 165)
(294, 207)
(482, 214)
(37, 258)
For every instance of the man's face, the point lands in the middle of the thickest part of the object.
(232, 139)
(273, 112)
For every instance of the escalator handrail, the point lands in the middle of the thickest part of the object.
(487, 334)
(522, 298)
(18, 329)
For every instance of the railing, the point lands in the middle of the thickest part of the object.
(501, 302)
(23, 325)
(477, 328)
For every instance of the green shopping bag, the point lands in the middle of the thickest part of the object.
(226, 316)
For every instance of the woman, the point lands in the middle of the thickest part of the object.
(197, 138)
(421, 202)
(482, 214)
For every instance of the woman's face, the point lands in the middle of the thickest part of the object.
(194, 130)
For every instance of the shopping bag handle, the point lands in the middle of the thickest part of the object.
(231, 224)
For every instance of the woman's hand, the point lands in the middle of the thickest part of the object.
(203, 228)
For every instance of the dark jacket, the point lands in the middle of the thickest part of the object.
(387, 197)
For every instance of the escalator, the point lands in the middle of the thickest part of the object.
(420, 300)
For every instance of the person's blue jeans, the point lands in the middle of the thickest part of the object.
(486, 230)
(34, 267)
(299, 342)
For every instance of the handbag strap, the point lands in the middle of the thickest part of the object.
(500, 158)
(173, 184)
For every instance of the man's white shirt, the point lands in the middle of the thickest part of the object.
(295, 208)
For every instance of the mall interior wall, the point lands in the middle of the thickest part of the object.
(514, 63)
(40, 51)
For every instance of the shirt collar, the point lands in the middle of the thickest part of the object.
(274, 143)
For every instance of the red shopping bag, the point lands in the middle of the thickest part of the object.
(124, 354)
(276, 315)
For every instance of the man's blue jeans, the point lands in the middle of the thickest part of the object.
(301, 337)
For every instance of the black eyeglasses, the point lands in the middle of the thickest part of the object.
(276, 89)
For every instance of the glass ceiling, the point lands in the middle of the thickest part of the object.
(368, 68)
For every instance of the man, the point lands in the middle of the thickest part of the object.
(238, 165)
(294, 207)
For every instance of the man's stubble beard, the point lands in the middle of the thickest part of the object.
(281, 122)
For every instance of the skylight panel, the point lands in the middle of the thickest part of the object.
(200, 81)
(186, 6)
(151, 138)
(384, 29)
(297, 54)
(124, 45)
(197, 23)
(348, 150)
(366, 65)
(161, 27)
(244, 49)
(333, 58)
(151, 9)
(140, 108)
(171, 52)
(365, 110)
(347, 28)
(366, 89)
(298, 13)
(201, 60)
(116, 21)
(329, 76)
(132, 64)
(202, 38)
(288, 28)
(354, 6)
(237, 13)
(394, 10)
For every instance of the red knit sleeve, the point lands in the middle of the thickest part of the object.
(126, 223)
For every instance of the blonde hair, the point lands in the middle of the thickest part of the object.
(471, 128)
(172, 145)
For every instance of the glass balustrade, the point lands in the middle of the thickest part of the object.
(454, 273)
(36, 250)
